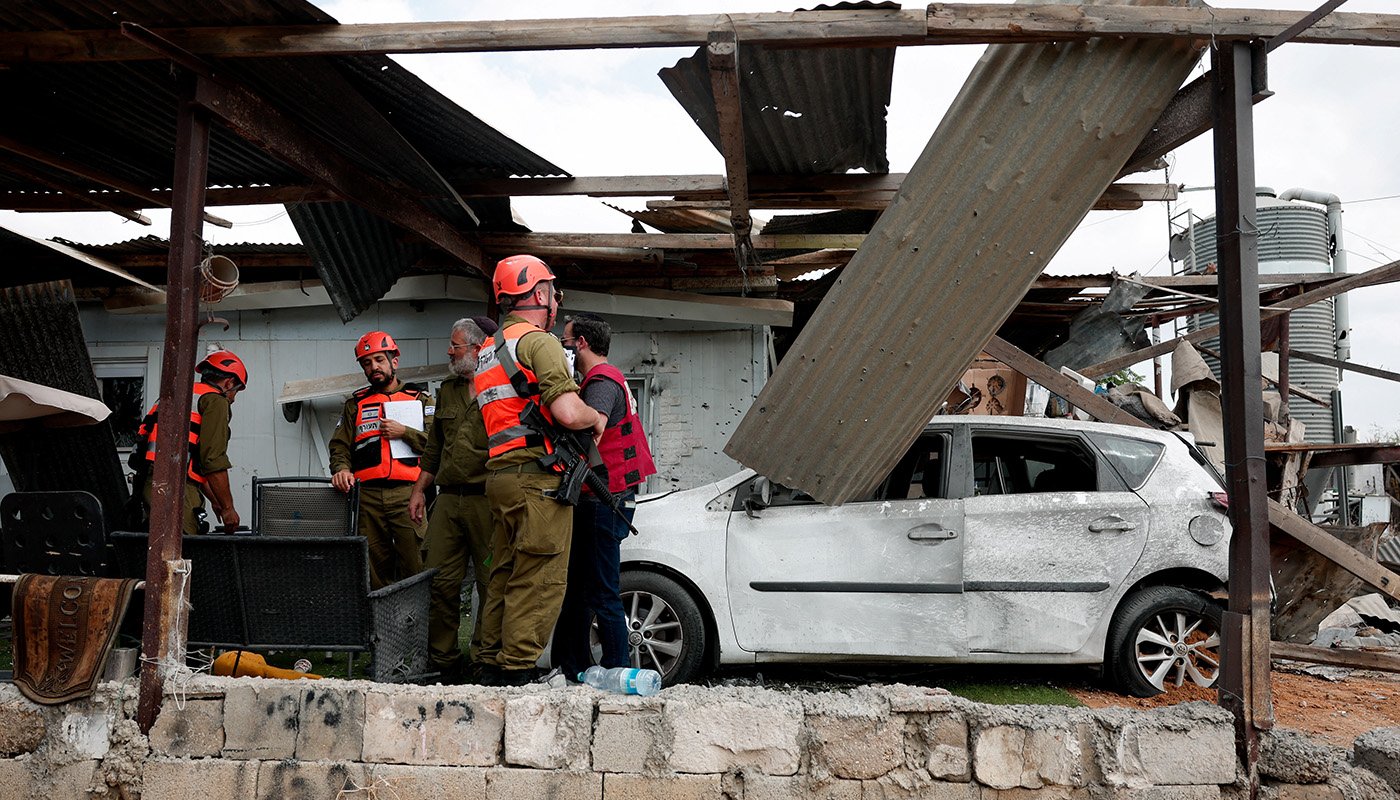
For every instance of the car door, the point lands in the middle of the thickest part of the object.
(878, 577)
(1052, 532)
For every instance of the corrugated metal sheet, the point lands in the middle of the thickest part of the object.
(1035, 136)
(806, 111)
(120, 118)
(358, 255)
(41, 340)
(157, 245)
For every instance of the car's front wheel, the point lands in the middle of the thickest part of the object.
(1164, 637)
(665, 629)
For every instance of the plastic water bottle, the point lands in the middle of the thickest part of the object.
(623, 680)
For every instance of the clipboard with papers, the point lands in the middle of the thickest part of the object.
(410, 413)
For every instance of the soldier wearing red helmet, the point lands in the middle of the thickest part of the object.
(222, 375)
(362, 452)
(522, 365)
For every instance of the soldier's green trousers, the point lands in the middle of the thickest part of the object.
(194, 500)
(459, 538)
(395, 541)
(529, 568)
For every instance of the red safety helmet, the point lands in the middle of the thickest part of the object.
(226, 361)
(519, 274)
(375, 342)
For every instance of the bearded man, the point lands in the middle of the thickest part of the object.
(459, 524)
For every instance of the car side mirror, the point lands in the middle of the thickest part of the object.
(760, 496)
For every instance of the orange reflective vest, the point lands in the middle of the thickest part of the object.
(626, 454)
(369, 455)
(504, 393)
(147, 431)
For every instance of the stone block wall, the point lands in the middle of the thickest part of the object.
(227, 739)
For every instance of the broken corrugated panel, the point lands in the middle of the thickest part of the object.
(680, 220)
(41, 340)
(1035, 136)
(806, 111)
(358, 255)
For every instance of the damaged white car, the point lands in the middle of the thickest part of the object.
(994, 540)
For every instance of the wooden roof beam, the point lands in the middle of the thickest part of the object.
(941, 23)
(259, 122)
(87, 199)
(72, 167)
(722, 57)
(527, 242)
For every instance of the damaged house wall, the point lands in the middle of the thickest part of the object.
(694, 379)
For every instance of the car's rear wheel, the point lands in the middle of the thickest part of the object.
(665, 629)
(1162, 638)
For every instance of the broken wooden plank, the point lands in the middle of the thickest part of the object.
(722, 57)
(1367, 569)
(1309, 586)
(1383, 274)
(525, 242)
(1336, 656)
(940, 23)
(1062, 385)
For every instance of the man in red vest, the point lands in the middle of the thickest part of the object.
(519, 366)
(362, 451)
(598, 531)
(222, 375)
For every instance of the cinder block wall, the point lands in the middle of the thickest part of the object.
(224, 739)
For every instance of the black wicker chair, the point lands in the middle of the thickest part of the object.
(304, 507)
(298, 593)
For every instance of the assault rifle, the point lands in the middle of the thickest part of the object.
(575, 452)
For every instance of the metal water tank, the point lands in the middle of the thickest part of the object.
(1294, 238)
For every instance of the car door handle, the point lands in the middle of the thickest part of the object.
(932, 532)
(1111, 524)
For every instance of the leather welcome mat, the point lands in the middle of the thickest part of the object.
(64, 627)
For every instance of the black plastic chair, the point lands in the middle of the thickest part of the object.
(53, 533)
(304, 507)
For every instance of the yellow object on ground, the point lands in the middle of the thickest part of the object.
(243, 664)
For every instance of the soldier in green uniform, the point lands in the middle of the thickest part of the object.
(362, 452)
(531, 530)
(459, 526)
(222, 375)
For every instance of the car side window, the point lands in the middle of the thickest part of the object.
(1028, 465)
(1133, 458)
(921, 473)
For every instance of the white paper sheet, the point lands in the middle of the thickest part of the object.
(410, 413)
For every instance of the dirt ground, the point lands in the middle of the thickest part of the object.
(1334, 711)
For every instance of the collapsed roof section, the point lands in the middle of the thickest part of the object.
(1036, 135)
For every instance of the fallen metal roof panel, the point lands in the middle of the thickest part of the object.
(1034, 137)
(41, 340)
(806, 111)
(358, 255)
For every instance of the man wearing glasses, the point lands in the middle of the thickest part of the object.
(459, 527)
(519, 366)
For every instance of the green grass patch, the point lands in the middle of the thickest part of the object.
(1012, 693)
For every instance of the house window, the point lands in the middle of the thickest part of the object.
(640, 387)
(121, 385)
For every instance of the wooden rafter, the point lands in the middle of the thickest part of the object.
(669, 241)
(72, 167)
(942, 23)
(76, 193)
(722, 56)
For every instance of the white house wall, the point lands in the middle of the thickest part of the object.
(701, 377)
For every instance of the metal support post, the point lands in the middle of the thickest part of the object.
(1284, 323)
(1245, 687)
(176, 377)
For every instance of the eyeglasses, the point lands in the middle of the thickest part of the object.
(559, 296)
(455, 346)
(568, 340)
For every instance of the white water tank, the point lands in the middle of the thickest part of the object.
(1294, 238)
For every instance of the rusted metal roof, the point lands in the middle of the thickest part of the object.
(120, 119)
(806, 111)
(1035, 136)
(41, 340)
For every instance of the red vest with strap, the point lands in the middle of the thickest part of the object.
(369, 454)
(624, 448)
(502, 400)
(147, 431)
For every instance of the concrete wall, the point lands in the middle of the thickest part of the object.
(254, 738)
(700, 378)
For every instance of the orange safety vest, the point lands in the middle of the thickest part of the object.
(369, 455)
(502, 400)
(147, 430)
